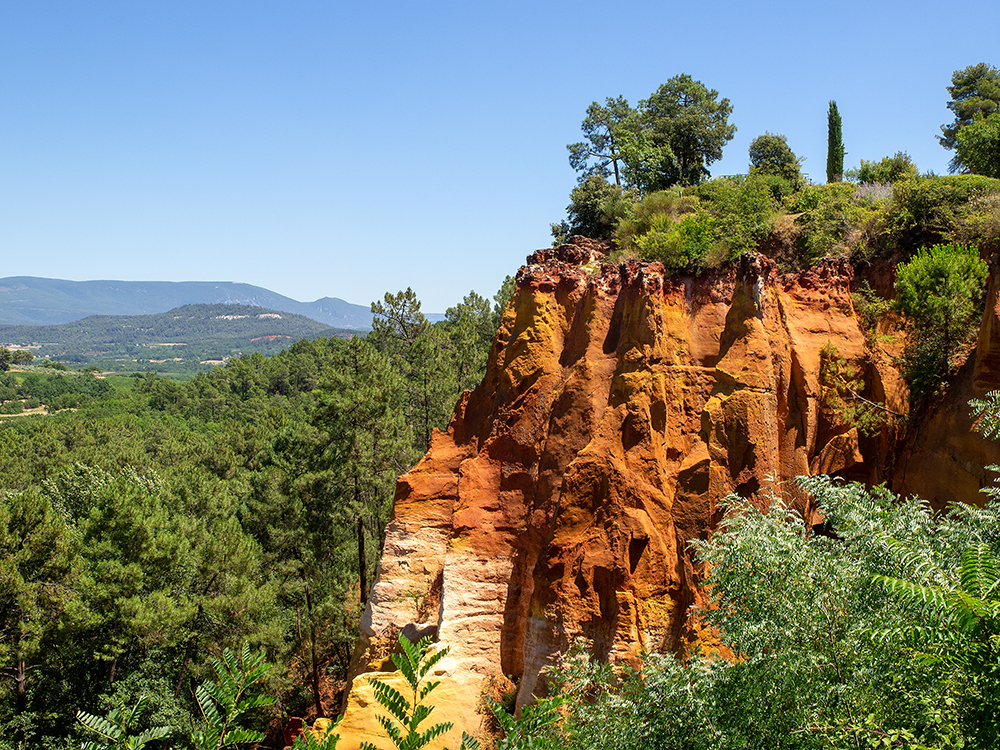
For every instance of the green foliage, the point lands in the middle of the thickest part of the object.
(681, 245)
(974, 90)
(939, 292)
(688, 118)
(870, 310)
(986, 412)
(671, 138)
(537, 728)
(889, 169)
(408, 712)
(960, 627)
(692, 232)
(308, 741)
(6, 357)
(841, 393)
(225, 701)
(594, 210)
(501, 299)
(831, 220)
(824, 628)
(927, 210)
(603, 127)
(834, 144)
(978, 145)
(771, 155)
(470, 326)
(115, 729)
(742, 209)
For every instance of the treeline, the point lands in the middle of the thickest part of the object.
(645, 183)
(157, 524)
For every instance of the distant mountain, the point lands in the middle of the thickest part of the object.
(27, 300)
(182, 338)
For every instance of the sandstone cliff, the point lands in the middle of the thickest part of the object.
(619, 407)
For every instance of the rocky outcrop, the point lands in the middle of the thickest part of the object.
(620, 406)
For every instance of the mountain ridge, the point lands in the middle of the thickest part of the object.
(189, 336)
(34, 301)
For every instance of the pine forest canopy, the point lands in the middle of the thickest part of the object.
(147, 524)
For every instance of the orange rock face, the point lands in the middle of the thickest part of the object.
(620, 406)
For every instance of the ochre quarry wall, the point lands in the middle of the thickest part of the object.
(620, 405)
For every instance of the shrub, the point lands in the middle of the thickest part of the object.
(870, 309)
(832, 220)
(771, 155)
(594, 210)
(724, 218)
(743, 210)
(680, 245)
(925, 210)
(887, 170)
(978, 223)
(939, 291)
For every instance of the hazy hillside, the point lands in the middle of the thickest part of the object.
(27, 300)
(180, 338)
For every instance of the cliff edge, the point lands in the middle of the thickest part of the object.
(620, 406)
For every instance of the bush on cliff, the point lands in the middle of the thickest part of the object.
(691, 230)
(830, 653)
(939, 292)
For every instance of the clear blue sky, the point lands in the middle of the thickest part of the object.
(347, 149)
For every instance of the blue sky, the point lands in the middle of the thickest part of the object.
(348, 149)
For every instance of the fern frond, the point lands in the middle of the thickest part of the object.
(392, 730)
(987, 413)
(391, 700)
(930, 599)
(100, 725)
(468, 742)
(409, 661)
(433, 733)
(137, 710)
(241, 736)
(427, 688)
(206, 704)
(979, 572)
(420, 713)
(150, 735)
(430, 661)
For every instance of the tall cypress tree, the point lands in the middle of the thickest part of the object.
(835, 145)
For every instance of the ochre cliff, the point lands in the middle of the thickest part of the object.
(620, 405)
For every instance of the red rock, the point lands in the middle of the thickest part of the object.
(618, 408)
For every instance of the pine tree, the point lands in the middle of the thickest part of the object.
(835, 145)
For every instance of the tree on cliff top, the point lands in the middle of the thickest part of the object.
(770, 154)
(978, 145)
(602, 127)
(834, 145)
(689, 118)
(670, 139)
(973, 89)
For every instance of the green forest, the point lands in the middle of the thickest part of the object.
(184, 564)
(148, 524)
